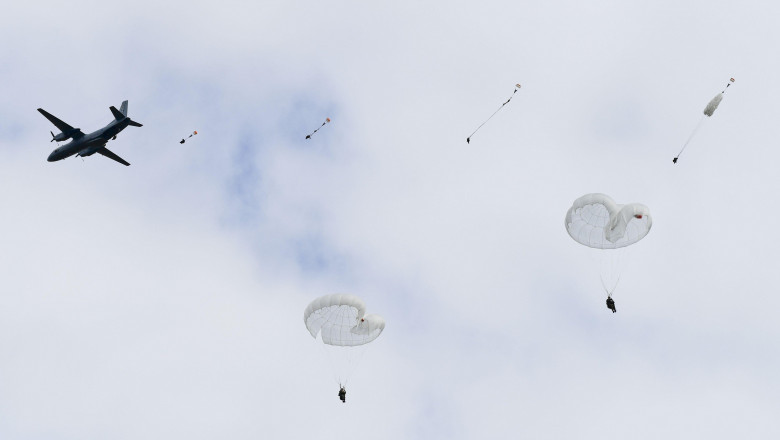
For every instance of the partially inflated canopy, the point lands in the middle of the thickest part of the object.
(342, 321)
(596, 221)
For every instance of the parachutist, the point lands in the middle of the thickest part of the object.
(339, 322)
(611, 304)
(517, 87)
(343, 395)
(674, 160)
(191, 135)
(596, 221)
(709, 110)
(308, 136)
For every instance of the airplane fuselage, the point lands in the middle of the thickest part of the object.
(88, 144)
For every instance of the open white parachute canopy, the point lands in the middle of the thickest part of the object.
(596, 221)
(342, 321)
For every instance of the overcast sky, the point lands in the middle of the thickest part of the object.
(164, 300)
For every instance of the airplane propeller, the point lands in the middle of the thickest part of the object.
(52, 136)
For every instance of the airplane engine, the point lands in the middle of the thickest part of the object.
(60, 137)
(64, 136)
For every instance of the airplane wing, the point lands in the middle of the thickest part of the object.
(111, 155)
(57, 122)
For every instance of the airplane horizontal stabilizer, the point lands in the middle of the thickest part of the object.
(134, 124)
(111, 155)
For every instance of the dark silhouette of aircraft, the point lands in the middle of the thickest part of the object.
(88, 144)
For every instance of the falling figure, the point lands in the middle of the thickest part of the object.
(596, 221)
(611, 304)
(191, 135)
(308, 136)
(343, 395)
(517, 87)
(708, 112)
(339, 324)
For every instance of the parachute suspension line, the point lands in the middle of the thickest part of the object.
(468, 139)
(329, 356)
(611, 268)
(343, 361)
(343, 370)
(698, 126)
(517, 87)
(608, 290)
(354, 360)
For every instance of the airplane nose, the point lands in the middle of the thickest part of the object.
(51, 157)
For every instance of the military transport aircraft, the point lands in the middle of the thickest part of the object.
(89, 144)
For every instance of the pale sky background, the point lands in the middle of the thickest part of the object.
(164, 300)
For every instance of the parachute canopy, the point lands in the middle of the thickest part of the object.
(713, 104)
(341, 320)
(596, 221)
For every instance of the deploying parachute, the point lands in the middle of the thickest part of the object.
(713, 105)
(709, 110)
(191, 135)
(517, 87)
(344, 330)
(308, 136)
(596, 221)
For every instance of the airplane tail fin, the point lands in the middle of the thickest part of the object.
(117, 114)
(122, 114)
